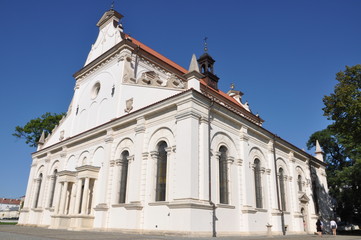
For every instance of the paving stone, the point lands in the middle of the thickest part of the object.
(12, 232)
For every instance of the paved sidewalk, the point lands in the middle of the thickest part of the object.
(11, 232)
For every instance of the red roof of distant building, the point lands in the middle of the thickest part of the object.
(9, 201)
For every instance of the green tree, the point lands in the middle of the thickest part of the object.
(334, 152)
(337, 164)
(341, 143)
(32, 130)
(344, 108)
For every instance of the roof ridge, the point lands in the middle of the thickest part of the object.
(157, 54)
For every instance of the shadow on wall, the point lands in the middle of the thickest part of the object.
(323, 201)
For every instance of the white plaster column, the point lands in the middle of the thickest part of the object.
(63, 197)
(95, 184)
(144, 174)
(293, 188)
(170, 167)
(58, 198)
(273, 204)
(204, 159)
(78, 196)
(187, 165)
(52, 188)
(72, 198)
(114, 178)
(104, 190)
(84, 206)
(117, 178)
(230, 161)
(144, 185)
(45, 193)
(34, 193)
(215, 176)
(247, 171)
(136, 164)
(67, 199)
(150, 189)
(30, 187)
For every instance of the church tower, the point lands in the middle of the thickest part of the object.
(206, 63)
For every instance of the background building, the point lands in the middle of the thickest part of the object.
(9, 208)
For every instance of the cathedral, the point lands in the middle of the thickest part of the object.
(147, 146)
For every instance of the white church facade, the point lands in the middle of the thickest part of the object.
(147, 146)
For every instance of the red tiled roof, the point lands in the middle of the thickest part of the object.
(9, 201)
(156, 54)
(223, 94)
(173, 64)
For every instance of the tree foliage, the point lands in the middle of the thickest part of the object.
(344, 108)
(32, 130)
(341, 143)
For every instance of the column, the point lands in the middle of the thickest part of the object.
(187, 165)
(85, 196)
(52, 191)
(30, 187)
(293, 190)
(204, 158)
(78, 196)
(169, 183)
(37, 193)
(247, 171)
(104, 186)
(230, 161)
(95, 183)
(272, 196)
(113, 176)
(136, 163)
(63, 197)
(58, 198)
(72, 198)
(67, 199)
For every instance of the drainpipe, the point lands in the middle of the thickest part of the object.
(214, 233)
(278, 194)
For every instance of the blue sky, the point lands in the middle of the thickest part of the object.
(282, 54)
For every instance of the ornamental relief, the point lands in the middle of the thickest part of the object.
(151, 75)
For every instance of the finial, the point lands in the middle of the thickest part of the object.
(112, 6)
(205, 44)
(194, 64)
(318, 152)
(232, 86)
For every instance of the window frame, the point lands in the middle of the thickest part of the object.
(161, 172)
(223, 175)
(123, 178)
(258, 183)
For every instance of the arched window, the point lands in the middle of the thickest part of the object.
(161, 172)
(299, 183)
(282, 188)
(123, 176)
(39, 181)
(258, 183)
(223, 176)
(54, 178)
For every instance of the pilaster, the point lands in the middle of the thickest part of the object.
(187, 165)
(103, 190)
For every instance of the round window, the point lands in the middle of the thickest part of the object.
(96, 89)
